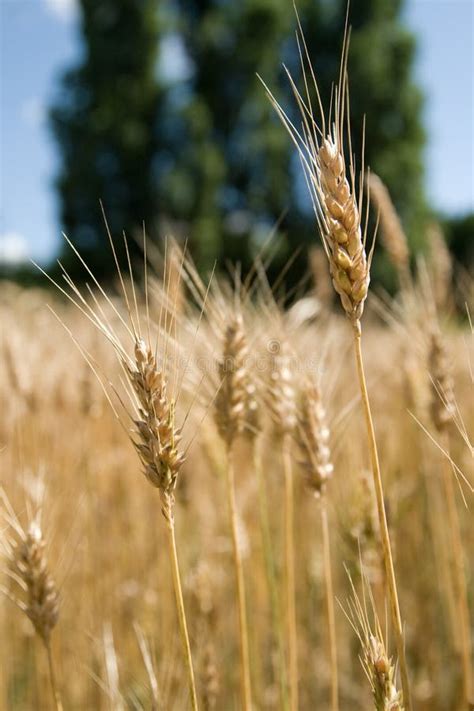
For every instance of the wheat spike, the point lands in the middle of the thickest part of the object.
(313, 439)
(443, 407)
(378, 665)
(156, 430)
(253, 419)
(393, 235)
(381, 673)
(36, 593)
(233, 397)
(342, 229)
(441, 265)
(29, 564)
(282, 394)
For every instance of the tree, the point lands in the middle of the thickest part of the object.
(105, 121)
(237, 161)
(202, 150)
(236, 154)
(460, 237)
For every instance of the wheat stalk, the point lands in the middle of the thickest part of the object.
(282, 405)
(155, 435)
(443, 412)
(312, 437)
(338, 209)
(231, 405)
(157, 440)
(202, 585)
(253, 432)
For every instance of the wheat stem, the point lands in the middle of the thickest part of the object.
(239, 573)
(270, 570)
(290, 572)
(330, 604)
(52, 677)
(168, 514)
(385, 537)
(459, 577)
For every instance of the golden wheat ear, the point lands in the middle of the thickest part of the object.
(393, 235)
(33, 588)
(331, 178)
(148, 390)
(376, 661)
(339, 205)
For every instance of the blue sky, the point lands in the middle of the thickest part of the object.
(38, 38)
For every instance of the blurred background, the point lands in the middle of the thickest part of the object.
(154, 107)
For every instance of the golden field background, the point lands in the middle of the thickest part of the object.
(62, 446)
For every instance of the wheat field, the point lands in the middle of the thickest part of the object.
(65, 452)
(214, 496)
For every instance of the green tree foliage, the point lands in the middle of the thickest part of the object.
(460, 237)
(105, 120)
(233, 155)
(201, 149)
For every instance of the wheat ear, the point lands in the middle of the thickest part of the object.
(312, 437)
(37, 594)
(338, 208)
(282, 405)
(230, 413)
(377, 663)
(441, 266)
(443, 411)
(253, 430)
(157, 440)
(393, 235)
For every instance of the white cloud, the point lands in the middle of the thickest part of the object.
(64, 10)
(14, 248)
